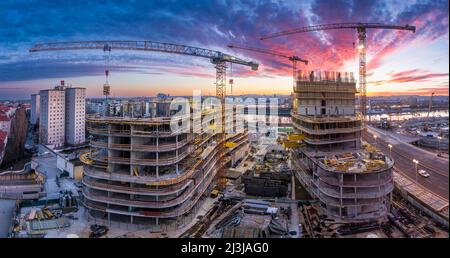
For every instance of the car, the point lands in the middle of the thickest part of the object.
(98, 231)
(423, 173)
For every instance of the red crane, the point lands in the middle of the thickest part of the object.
(361, 29)
(293, 59)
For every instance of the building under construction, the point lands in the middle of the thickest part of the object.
(353, 181)
(139, 171)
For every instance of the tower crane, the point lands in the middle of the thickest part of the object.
(361, 30)
(426, 126)
(293, 59)
(106, 86)
(219, 59)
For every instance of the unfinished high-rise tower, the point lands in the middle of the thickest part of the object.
(351, 179)
(140, 171)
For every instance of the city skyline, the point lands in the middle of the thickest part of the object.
(399, 62)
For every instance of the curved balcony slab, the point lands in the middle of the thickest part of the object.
(135, 190)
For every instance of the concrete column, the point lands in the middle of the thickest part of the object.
(176, 151)
(157, 151)
(341, 190)
(157, 141)
(354, 189)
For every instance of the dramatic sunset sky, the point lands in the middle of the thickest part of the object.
(399, 62)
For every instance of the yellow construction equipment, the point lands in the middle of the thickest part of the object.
(212, 127)
(341, 167)
(370, 148)
(197, 140)
(214, 193)
(347, 155)
(85, 159)
(290, 144)
(230, 144)
(296, 137)
(333, 162)
(135, 171)
(349, 163)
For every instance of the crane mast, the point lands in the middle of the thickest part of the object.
(430, 105)
(361, 30)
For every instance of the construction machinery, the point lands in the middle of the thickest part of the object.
(293, 59)
(219, 60)
(361, 29)
(426, 126)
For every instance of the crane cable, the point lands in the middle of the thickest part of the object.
(231, 79)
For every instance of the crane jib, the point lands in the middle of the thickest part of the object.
(213, 55)
(359, 26)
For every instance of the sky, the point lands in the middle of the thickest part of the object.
(398, 62)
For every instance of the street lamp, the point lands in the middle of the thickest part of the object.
(390, 150)
(416, 162)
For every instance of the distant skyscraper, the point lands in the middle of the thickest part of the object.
(75, 115)
(35, 108)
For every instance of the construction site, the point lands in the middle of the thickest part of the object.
(353, 182)
(321, 176)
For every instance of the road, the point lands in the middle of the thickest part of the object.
(6, 216)
(403, 154)
(47, 166)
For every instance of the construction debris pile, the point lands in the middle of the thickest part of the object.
(253, 219)
(36, 220)
(365, 160)
(270, 175)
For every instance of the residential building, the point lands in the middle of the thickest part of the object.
(35, 108)
(75, 115)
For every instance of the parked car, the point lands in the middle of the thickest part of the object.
(98, 231)
(423, 173)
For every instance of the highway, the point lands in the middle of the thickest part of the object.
(403, 155)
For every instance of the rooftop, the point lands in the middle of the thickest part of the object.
(325, 76)
(367, 159)
(4, 117)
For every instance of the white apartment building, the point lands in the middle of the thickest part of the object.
(62, 116)
(52, 117)
(75, 115)
(35, 108)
